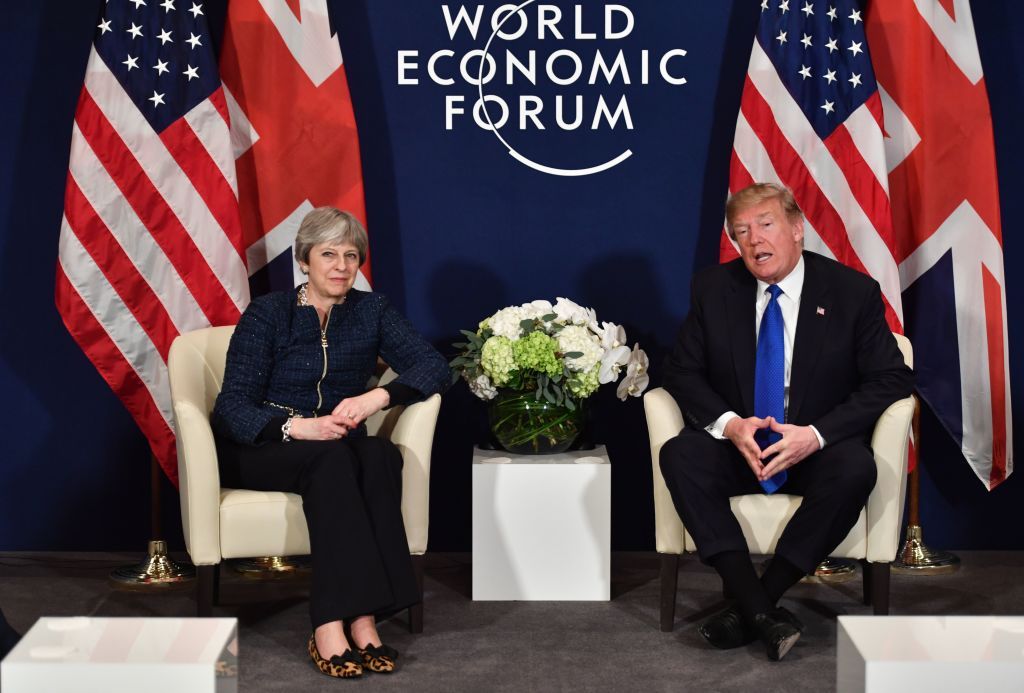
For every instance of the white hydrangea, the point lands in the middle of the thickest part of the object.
(482, 387)
(537, 309)
(505, 322)
(579, 338)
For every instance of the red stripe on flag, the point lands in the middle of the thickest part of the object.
(118, 268)
(193, 158)
(155, 214)
(120, 376)
(996, 374)
(796, 176)
(866, 189)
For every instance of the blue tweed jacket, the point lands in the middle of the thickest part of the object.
(275, 361)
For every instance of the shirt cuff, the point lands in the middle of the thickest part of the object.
(821, 441)
(717, 429)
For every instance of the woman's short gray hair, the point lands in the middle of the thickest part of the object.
(331, 226)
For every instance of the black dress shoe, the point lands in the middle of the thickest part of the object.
(727, 629)
(777, 632)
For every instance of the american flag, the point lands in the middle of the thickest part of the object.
(945, 200)
(150, 242)
(294, 135)
(811, 119)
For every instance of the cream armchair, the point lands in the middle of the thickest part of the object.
(875, 537)
(221, 523)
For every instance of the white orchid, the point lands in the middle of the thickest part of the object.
(612, 335)
(636, 379)
(569, 312)
(611, 363)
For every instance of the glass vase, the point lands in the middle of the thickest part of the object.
(525, 426)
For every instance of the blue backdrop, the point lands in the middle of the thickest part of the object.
(458, 229)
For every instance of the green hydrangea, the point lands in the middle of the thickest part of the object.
(537, 351)
(584, 383)
(497, 360)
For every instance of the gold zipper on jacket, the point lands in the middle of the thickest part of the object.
(323, 374)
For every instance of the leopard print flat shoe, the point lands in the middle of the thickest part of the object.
(343, 666)
(379, 659)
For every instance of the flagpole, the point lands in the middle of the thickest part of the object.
(915, 558)
(157, 569)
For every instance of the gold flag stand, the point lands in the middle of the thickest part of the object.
(915, 558)
(157, 570)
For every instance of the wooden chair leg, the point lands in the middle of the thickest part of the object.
(865, 569)
(416, 610)
(669, 580)
(880, 588)
(206, 588)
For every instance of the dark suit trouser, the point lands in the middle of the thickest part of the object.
(702, 473)
(352, 498)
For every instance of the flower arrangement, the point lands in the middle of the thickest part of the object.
(543, 354)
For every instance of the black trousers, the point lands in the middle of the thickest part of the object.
(702, 473)
(352, 497)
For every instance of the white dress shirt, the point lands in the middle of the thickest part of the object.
(789, 303)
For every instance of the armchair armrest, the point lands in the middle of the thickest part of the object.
(664, 422)
(198, 483)
(890, 443)
(195, 367)
(412, 432)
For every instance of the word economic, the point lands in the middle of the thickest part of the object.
(562, 67)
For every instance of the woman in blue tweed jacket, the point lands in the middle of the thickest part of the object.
(290, 417)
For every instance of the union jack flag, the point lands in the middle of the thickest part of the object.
(150, 243)
(292, 127)
(940, 155)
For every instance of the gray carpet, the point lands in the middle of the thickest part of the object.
(520, 646)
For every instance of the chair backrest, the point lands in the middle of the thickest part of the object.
(196, 365)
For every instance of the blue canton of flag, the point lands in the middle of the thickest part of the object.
(820, 52)
(161, 55)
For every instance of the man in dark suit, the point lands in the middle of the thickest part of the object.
(781, 369)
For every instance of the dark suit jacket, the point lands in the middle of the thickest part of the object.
(847, 368)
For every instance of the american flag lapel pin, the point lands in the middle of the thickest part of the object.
(820, 311)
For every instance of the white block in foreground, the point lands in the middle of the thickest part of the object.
(542, 526)
(108, 655)
(882, 654)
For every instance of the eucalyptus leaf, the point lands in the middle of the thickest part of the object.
(573, 354)
(570, 405)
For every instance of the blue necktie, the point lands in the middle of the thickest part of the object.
(770, 379)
